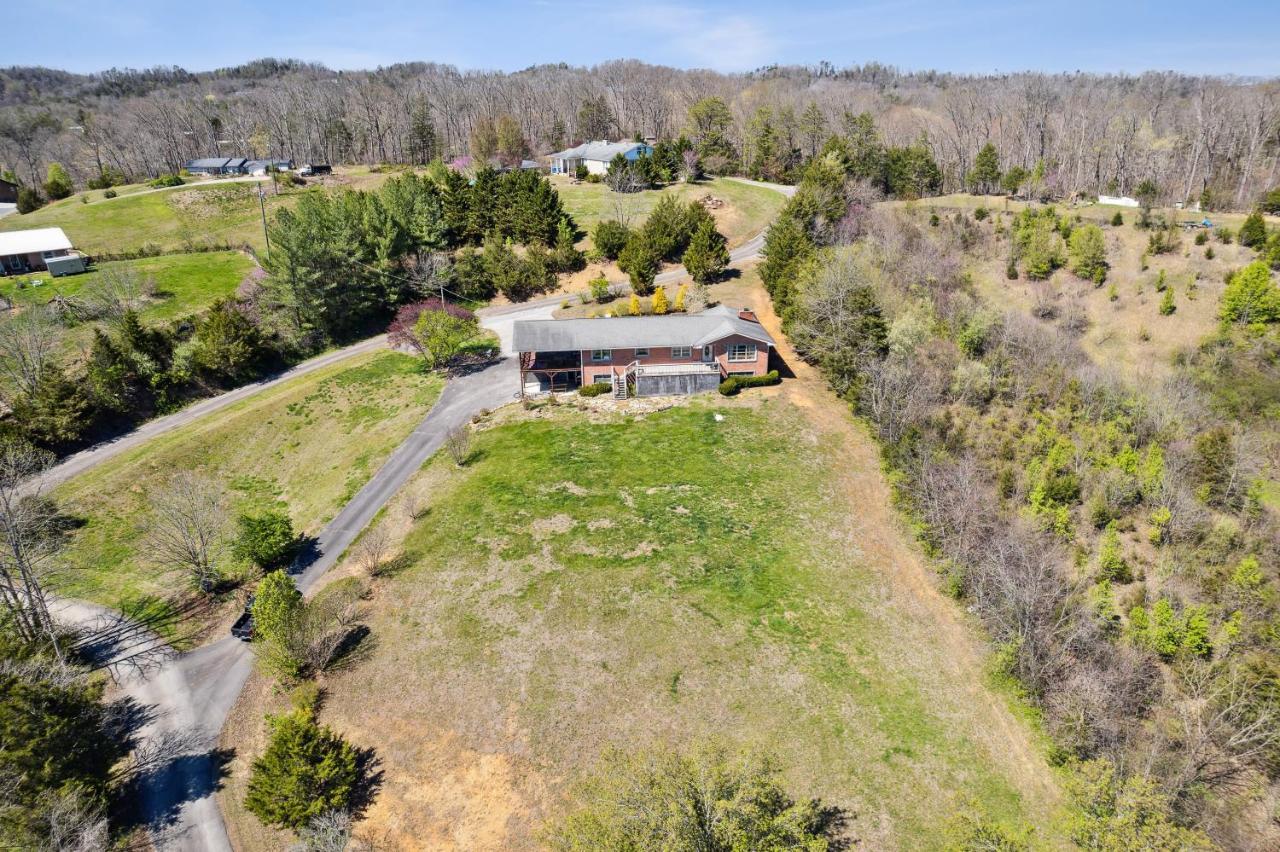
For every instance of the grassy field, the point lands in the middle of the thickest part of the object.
(747, 211)
(593, 579)
(307, 445)
(203, 214)
(185, 283)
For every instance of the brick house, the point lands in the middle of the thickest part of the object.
(652, 355)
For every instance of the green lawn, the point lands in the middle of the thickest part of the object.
(307, 445)
(607, 580)
(749, 209)
(202, 214)
(185, 283)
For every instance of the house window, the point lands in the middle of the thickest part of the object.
(642, 352)
(742, 352)
(601, 355)
(741, 373)
(680, 352)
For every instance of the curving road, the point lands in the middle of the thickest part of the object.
(188, 696)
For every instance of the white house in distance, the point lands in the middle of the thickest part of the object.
(38, 249)
(596, 156)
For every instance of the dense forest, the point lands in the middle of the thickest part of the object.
(1207, 139)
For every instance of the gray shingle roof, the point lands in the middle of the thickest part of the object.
(629, 332)
(208, 163)
(602, 151)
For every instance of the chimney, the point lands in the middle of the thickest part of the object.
(747, 314)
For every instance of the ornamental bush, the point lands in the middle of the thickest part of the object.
(596, 389)
(733, 385)
(267, 539)
(307, 770)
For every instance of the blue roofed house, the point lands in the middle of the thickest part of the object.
(217, 166)
(596, 156)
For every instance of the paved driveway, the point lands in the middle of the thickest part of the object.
(188, 696)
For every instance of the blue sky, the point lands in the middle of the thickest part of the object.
(1240, 37)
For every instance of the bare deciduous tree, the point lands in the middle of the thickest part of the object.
(30, 536)
(458, 442)
(373, 549)
(29, 344)
(188, 527)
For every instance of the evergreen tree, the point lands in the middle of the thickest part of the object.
(707, 256)
(266, 539)
(1087, 250)
(595, 119)
(1251, 296)
(680, 297)
(424, 145)
(866, 152)
(985, 175)
(567, 256)
(1253, 233)
(633, 306)
(57, 182)
(277, 606)
(227, 343)
(911, 172)
(786, 246)
(660, 305)
(610, 238)
(640, 260)
(307, 770)
(1167, 304)
(813, 126)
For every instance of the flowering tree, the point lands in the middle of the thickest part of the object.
(433, 329)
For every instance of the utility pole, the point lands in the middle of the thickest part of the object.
(262, 205)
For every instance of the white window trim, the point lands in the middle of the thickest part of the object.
(681, 351)
(745, 347)
(601, 356)
(642, 352)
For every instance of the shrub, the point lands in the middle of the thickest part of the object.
(438, 331)
(680, 297)
(980, 214)
(1202, 237)
(706, 799)
(610, 238)
(1251, 296)
(596, 389)
(1167, 304)
(633, 307)
(29, 200)
(57, 182)
(581, 172)
(110, 193)
(599, 288)
(1253, 233)
(267, 540)
(166, 180)
(1111, 561)
(660, 305)
(733, 385)
(1087, 249)
(307, 770)
(594, 178)
(1208, 253)
(1117, 220)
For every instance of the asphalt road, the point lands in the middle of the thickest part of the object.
(187, 697)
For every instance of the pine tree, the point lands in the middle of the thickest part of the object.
(276, 605)
(1111, 562)
(1253, 233)
(307, 770)
(57, 182)
(986, 170)
(1087, 250)
(660, 300)
(640, 261)
(707, 255)
(1167, 305)
(567, 256)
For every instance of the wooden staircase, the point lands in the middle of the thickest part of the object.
(619, 386)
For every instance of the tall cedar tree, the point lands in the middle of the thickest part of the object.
(707, 257)
(307, 770)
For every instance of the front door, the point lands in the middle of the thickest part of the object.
(708, 354)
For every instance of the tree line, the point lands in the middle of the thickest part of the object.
(1114, 539)
(1204, 139)
(340, 265)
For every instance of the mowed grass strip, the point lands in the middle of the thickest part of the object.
(185, 283)
(748, 209)
(307, 445)
(201, 214)
(672, 577)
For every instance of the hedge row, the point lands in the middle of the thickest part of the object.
(597, 389)
(732, 385)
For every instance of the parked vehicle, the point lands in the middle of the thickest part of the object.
(309, 169)
(243, 628)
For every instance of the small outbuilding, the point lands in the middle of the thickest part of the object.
(8, 192)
